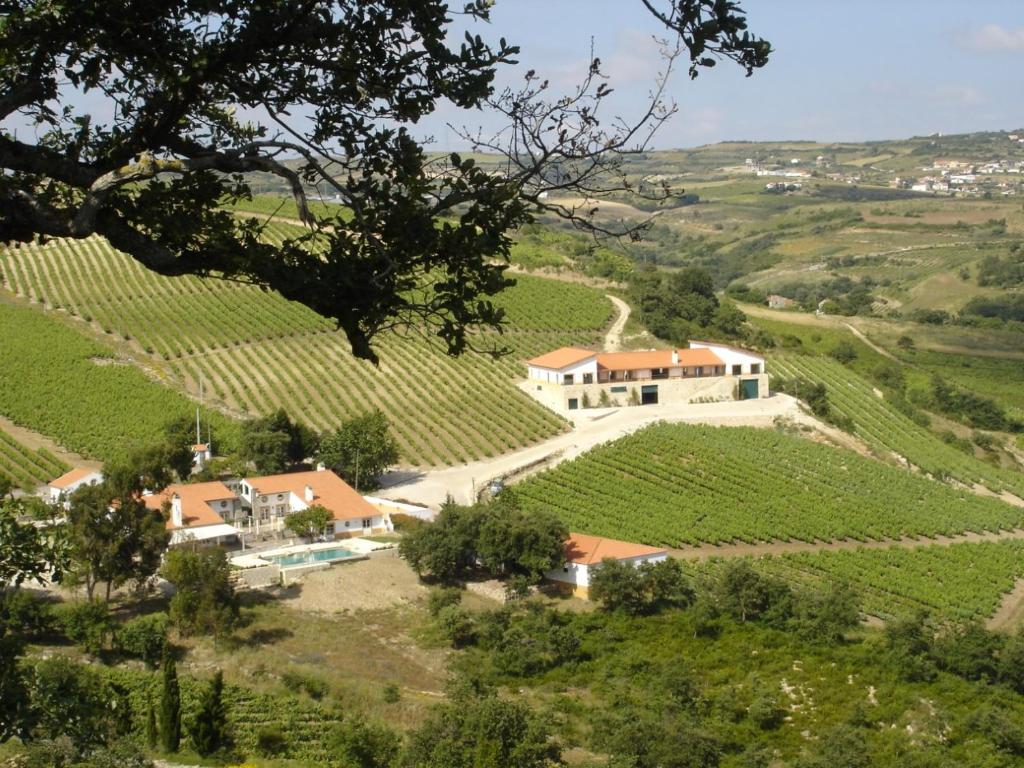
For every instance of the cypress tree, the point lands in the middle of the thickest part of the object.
(151, 726)
(209, 728)
(170, 707)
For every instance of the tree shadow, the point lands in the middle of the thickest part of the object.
(260, 637)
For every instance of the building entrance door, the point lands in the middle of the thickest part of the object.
(649, 394)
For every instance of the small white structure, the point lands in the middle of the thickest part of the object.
(201, 454)
(584, 553)
(274, 497)
(59, 490)
(389, 507)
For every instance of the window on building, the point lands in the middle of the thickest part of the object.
(617, 390)
(347, 523)
(367, 522)
(737, 370)
(755, 367)
(567, 378)
(588, 378)
(223, 504)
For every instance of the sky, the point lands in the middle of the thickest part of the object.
(852, 70)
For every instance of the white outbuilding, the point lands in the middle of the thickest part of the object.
(584, 554)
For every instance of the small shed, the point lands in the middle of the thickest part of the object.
(584, 553)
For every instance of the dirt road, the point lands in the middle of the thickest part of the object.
(613, 339)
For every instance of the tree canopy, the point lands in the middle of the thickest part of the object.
(187, 97)
(360, 450)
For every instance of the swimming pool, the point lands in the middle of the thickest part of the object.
(313, 556)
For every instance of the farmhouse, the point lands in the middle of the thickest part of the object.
(199, 512)
(775, 301)
(273, 497)
(583, 554)
(60, 489)
(570, 378)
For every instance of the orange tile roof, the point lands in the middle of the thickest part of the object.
(658, 358)
(587, 550)
(329, 491)
(727, 346)
(562, 357)
(195, 502)
(70, 478)
(200, 447)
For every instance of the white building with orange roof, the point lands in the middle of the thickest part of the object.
(61, 488)
(200, 512)
(584, 554)
(274, 497)
(570, 378)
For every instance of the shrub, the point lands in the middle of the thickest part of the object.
(844, 352)
(271, 741)
(144, 637)
(905, 342)
(456, 625)
(442, 597)
(297, 682)
(391, 694)
(88, 624)
(26, 614)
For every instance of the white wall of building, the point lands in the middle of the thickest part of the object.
(557, 375)
(578, 574)
(57, 495)
(731, 356)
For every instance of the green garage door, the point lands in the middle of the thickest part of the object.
(748, 389)
(649, 394)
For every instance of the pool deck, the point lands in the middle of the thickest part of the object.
(357, 546)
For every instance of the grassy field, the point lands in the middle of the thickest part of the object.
(672, 484)
(892, 434)
(255, 351)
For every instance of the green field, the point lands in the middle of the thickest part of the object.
(888, 431)
(994, 377)
(26, 468)
(255, 351)
(672, 484)
(960, 581)
(60, 383)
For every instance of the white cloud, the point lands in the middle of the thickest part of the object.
(958, 96)
(992, 38)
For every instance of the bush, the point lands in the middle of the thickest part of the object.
(391, 694)
(88, 624)
(844, 352)
(271, 741)
(456, 625)
(24, 613)
(144, 638)
(297, 682)
(766, 711)
(442, 597)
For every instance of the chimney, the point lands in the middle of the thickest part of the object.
(309, 492)
(176, 519)
(675, 357)
(320, 467)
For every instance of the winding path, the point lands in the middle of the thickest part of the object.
(613, 339)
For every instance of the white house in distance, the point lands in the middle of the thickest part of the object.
(570, 378)
(273, 497)
(200, 512)
(583, 554)
(60, 489)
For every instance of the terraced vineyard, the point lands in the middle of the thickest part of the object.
(889, 431)
(672, 483)
(255, 351)
(56, 381)
(25, 468)
(963, 581)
